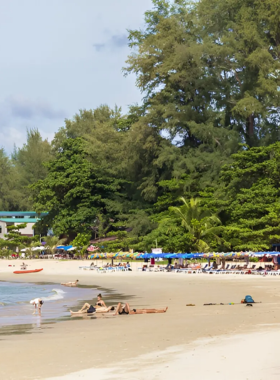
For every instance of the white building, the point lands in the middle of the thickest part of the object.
(9, 218)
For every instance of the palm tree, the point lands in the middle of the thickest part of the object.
(198, 222)
(52, 242)
(29, 250)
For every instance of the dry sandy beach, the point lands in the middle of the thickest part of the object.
(200, 342)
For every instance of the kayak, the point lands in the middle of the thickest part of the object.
(28, 271)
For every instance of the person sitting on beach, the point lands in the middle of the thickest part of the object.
(23, 266)
(128, 266)
(125, 309)
(89, 309)
(37, 302)
(70, 284)
(100, 302)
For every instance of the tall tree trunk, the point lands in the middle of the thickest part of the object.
(250, 126)
(250, 129)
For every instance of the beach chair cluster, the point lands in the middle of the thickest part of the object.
(209, 269)
(106, 269)
(237, 269)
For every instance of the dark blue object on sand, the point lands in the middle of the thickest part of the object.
(249, 299)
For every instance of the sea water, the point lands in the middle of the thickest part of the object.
(15, 307)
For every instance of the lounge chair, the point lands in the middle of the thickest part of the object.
(223, 271)
(209, 269)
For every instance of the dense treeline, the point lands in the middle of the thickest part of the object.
(196, 165)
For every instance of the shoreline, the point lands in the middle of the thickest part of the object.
(222, 358)
(82, 344)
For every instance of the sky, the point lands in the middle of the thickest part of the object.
(59, 56)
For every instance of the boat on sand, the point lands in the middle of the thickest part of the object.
(28, 271)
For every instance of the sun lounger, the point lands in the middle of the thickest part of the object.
(208, 270)
(231, 269)
(90, 267)
(222, 271)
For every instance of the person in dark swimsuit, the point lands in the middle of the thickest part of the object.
(99, 307)
(100, 302)
(125, 309)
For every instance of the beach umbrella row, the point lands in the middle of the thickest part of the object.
(118, 255)
(209, 255)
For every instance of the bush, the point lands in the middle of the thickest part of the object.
(253, 259)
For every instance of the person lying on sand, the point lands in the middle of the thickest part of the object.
(37, 302)
(125, 309)
(71, 284)
(89, 309)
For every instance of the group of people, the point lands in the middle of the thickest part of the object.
(120, 265)
(100, 307)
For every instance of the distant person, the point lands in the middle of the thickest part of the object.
(71, 284)
(37, 302)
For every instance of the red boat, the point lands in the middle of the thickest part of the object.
(28, 271)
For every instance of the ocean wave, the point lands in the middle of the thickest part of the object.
(58, 295)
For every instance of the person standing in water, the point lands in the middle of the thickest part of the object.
(37, 302)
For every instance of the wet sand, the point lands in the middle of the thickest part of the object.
(132, 345)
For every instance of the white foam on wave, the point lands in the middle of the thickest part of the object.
(58, 295)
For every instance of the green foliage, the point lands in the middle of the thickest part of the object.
(205, 133)
(81, 240)
(199, 223)
(74, 191)
(28, 162)
(10, 196)
(251, 193)
(52, 242)
(14, 239)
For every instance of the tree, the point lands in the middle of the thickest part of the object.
(52, 242)
(198, 222)
(29, 161)
(81, 242)
(10, 195)
(75, 191)
(14, 238)
(249, 194)
(30, 252)
(169, 235)
(241, 45)
(179, 101)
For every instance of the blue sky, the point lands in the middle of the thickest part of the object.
(59, 56)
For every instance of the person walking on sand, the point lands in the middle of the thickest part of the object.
(37, 302)
(70, 284)
(125, 309)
